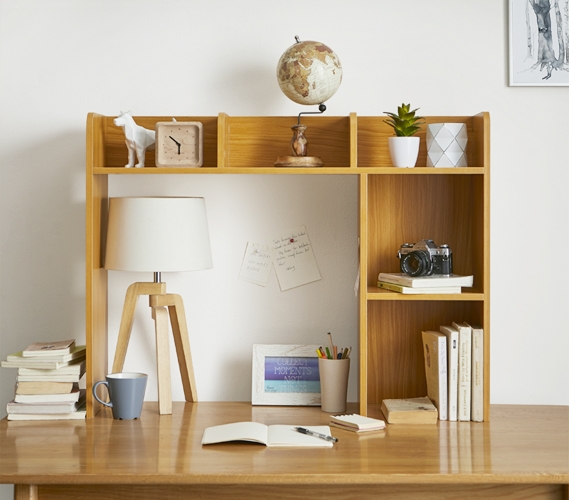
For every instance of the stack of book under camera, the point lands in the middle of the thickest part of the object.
(403, 283)
(47, 384)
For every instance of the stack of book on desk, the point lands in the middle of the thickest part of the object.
(47, 386)
(357, 423)
(403, 283)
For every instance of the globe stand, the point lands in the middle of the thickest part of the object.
(299, 146)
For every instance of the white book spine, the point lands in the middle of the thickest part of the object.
(452, 368)
(443, 378)
(477, 402)
(464, 370)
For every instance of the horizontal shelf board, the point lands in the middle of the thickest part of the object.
(283, 170)
(374, 293)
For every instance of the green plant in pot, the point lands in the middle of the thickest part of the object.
(404, 147)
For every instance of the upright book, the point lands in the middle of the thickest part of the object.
(477, 375)
(452, 369)
(426, 281)
(435, 353)
(269, 435)
(464, 369)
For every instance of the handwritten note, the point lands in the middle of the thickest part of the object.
(257, 264)
(294, 260)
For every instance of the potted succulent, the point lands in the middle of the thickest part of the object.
(404, 148)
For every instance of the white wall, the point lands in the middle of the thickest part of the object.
(60, 60)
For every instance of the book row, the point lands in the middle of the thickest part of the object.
(454, 369)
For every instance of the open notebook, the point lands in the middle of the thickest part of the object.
(269, 435)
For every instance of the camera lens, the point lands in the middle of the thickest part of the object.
(417, 263)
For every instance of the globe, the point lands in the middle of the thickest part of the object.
(309, 72)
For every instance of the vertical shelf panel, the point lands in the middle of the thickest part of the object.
(95, 275)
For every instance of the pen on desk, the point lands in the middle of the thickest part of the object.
(308, 432)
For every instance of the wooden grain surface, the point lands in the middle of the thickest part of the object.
(522, 444)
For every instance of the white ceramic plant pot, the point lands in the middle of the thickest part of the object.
(404, 151)
(446, 145)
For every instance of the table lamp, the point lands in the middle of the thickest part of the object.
(158, 234)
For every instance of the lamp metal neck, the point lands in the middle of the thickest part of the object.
(157, 278)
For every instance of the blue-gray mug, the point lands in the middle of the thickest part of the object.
(126, 394)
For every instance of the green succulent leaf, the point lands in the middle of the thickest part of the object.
(404, 123)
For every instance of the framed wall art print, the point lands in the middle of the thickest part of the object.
(539, 42)
(285, 375)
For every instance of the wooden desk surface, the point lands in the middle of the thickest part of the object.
(521, 445)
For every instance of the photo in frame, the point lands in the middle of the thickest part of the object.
(539, 42)
(285, 375)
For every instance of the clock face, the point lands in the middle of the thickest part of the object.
(179, 144)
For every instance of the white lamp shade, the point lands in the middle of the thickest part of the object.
(157, 234)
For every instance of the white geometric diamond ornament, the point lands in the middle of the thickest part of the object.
(446, 145)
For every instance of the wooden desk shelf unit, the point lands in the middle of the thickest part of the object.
(449, 205)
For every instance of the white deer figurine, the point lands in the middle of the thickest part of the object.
(138, 139)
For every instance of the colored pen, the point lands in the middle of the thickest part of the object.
(308, 432)
(331, 344)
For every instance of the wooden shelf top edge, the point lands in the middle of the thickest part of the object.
(281, 170)
(287, 117)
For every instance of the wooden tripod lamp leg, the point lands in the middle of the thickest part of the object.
(131, 298)
(181, 340)
(160, 316)
(182, 343)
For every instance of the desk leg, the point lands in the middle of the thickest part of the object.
(26, 492)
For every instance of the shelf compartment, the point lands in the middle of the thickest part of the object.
(115, 154)
(256, 142)
(373, 134)
(445, 208)
(395, 366)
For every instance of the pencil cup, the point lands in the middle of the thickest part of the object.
(126, 392)
(333, 384)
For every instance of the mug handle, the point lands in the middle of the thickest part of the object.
(104, 382)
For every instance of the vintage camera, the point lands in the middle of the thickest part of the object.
(425, 258)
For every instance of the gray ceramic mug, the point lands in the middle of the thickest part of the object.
(126, 392)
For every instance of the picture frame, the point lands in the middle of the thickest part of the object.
(285, 375)
(539, 42)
